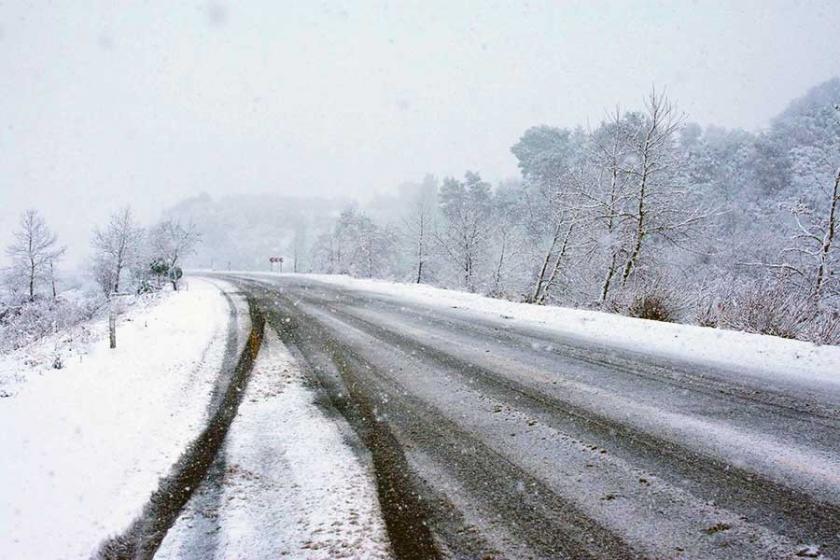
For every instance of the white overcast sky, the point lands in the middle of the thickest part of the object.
(109, 103)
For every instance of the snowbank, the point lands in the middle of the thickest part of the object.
(84, 446)
(286, 483)
(755, 354)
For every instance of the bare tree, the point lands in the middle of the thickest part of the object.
(604, 196)
(659, 206)
(466, 207)
(549, 214)
(419, 224)
(507, 220)
(33, 252)
(811, 259)
(652, 148)
(52, 278)
(117, 247)
(817, 216)
(548, 158)
(172, 242)
(828, 249)
(815, 252)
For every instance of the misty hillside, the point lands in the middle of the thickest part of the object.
(243, 231)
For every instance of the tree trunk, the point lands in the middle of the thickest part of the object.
(608, 280)
(828, 240)
(605, 287)
(497, 279)
(640, 221)
(420, 251)
(52, 280)
(31, 280)
(112, 322)
(538, 287)
(634, 255)
(556, 268)
(117, 277)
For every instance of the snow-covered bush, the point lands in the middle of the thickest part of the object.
(658, 298)
(23, 322)
(776, 308)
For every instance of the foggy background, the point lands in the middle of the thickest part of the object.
(102, 106)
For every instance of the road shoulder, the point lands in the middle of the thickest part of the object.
(91, 441)
(285, 482)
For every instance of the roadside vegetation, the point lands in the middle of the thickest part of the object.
(645, 214)
(126, 259)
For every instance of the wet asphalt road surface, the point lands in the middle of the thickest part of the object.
(491, 438)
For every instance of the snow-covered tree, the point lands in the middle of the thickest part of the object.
(117, 249)
(418, 225)
(33, 254)
(605, 193)
(507, 240)
(548, 158)
(663, 206)
(807, 196)
(814, 256)
(171, 242)
(357, 246)
(466, 208)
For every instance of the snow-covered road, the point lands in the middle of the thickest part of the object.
(494, 434)
(83, 447)
(174, 439)
(383, 421)
(285, 484)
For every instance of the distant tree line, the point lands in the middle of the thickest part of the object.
(644, 214)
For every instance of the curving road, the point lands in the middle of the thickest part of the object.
(493, 439)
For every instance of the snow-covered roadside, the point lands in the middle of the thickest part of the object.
(69, 345)
(289, 485)
(84, 446)
(759, 355)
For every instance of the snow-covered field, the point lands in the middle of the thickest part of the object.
(288, 484)
(754, 354)
(83, 446)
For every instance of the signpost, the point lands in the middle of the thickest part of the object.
(276, 260)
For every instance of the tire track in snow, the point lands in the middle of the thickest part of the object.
(404, 513)
(551, 526)
(142, 539)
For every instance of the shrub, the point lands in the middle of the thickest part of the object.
(145, 287)
(27, 322)
(654, 306)
(159, 267)
(764, 310)
(776, 308)
(708, 313)
(657, 299)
